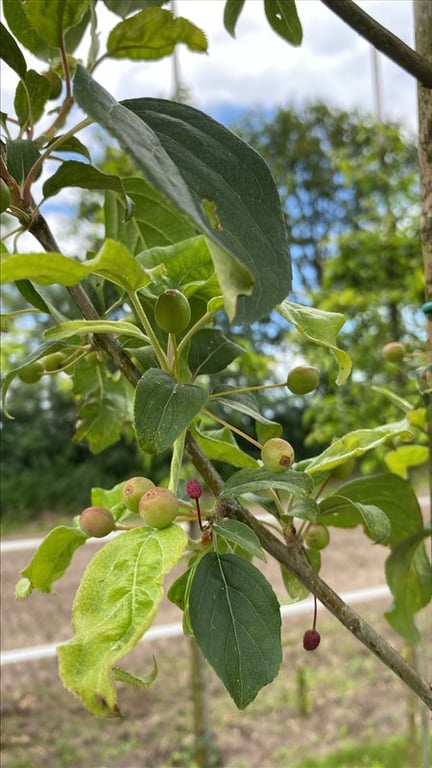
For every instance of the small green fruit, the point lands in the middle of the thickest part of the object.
(97, 521)
(5, 196)
(172, 311)
(302, 379)
(31, 373)
(317, 536)
(54, 361)
(132, 491)
(158, 507)
(277, 454)
(393, 352)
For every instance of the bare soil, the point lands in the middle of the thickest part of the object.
(320, 701)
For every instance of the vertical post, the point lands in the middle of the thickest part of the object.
(423, 43)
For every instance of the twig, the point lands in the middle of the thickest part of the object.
(297, 564)
(384, 40)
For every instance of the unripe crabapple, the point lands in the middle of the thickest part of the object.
(393, 352)
(302, 379)
(277, 454)
(97, 521)
(31, 373)
(317, 536)
(158, 507)
(172, 311)
(132, 491)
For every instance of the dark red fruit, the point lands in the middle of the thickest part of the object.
(311, 639)
(194, 489)
(97, 521)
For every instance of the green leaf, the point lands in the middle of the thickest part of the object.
(187, 265)
(305, 509)
(163, 409)
(355, 444)
(104, 403)
(108, 498)
(232, 11)
(236, 621)
(220, 445)
(393, 496)
(21, 155)
(409, 576)
(11, 53)
(155, 220)
(51, 18)
(321, 328)
(296, 590)
(44, 349)
(115, 604)
(113, 262)
(52, 557)
(71, 173)
(83, 327)
(24, 31)
(71, 144)
(253, 480)
(404, 457)
(125, 7)
(239, 534)
(152, 34)
(341, 511)
(31, 95)
(282, 17)
(211, 352)
(144, 681)
(247, 403)
(223, 170)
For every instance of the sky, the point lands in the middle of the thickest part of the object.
(258, 68)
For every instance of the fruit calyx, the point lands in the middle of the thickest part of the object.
(277, 455)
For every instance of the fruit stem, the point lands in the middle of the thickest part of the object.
(198, 509)
(145, 322)
(232, 428)
(240, 390)
(199, 324)
(315, 612)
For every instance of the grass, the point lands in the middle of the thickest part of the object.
(392, 753)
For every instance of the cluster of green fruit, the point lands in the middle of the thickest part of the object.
(157, 507)
(34, 371)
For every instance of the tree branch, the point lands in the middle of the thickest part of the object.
(384, 40)
(293, 558)
(105, 341)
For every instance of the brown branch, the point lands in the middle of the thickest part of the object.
(382, 39)
(293, 558)
(105, 341)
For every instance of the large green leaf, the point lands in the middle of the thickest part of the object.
(152, 34)
(186, 265)
(236, 621)
(113, 261)
(409, 576)
(355, 444)
(220, 445)
(155, 221)
(115, 604)
(283, 18)
(71, 173)
(220, 173)
(392, 495)
(52, 557)
(211, 352)
(341, 511)
(11, 53)
(253, 480)
(21, 155)
(232, 11)
(163, 409)
(239, 535)
(31, 96)
(104, 403)
(51, 18)
(321, 328)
